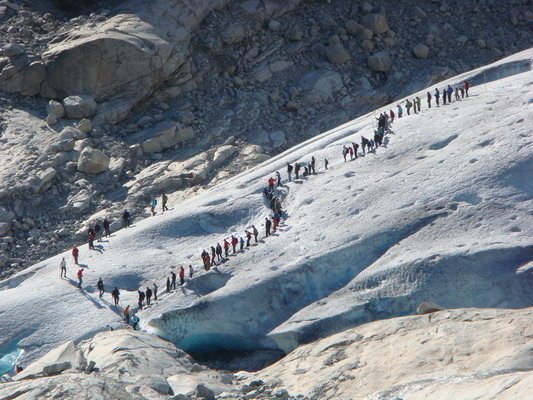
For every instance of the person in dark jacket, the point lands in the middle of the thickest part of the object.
(234, 242)
(289, 171)
(437, 96)
(106, 227)
(248, 238)
(466, 87)
(155, 292)
(100, 286)
(255, 233)
(126, 218)
(355, 147)
(241, 244)
(219, 252)
(268, 224)
(191, 271)
(115, 294)
(296, 169)
(141, 299)
(226, 248)
(148, 295)
(444, 96)
(173, 275)
(326, 163)
(313, 163)
(164, 199)
(429, 100)
(168, 284)
(278, 178)
(450, 91)
(213, 255)
(98, 231)
(90, 239)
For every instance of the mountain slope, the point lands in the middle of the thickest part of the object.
(441, 212)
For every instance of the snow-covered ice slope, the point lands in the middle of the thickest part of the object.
(442, 212)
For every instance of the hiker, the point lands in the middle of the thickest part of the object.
(306, 170)
(296, 169)
(241, 244)
(248, 238)
(444, 96)
(429, 99)
(392, 115)
(106, 227)
(173, 275)
(344, 152)
(219, 251)
(126, 218)
(364, 143)
(182, 274)
(466, 86)
(289, 171)
(450, 91)
(207, 261)
(126, 312)
(350, 150)
(115, 294)
(271, 183)
(437, 96)
(148, 295)
(376, 138)
(155, 291)
(415, 107)
(191, 271)
(278, 178)
(153, 204)
(234, 243)
(100, 286)
(400, 111)
(419, 103)
(226, 248)
(134, 321)
(141, 298)
(90, 239)
(268, 224)
(204, 260)
(462, 90)
(98, 231)
(80, 277)
(355, 147)
(213, 255)
(255, 233)
(457, 93)
(326, 162)
(408, 106)
(164, 200)
(63, 267)
(313, 163)
(168, 284)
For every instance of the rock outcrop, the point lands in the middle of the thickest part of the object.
(92, 161)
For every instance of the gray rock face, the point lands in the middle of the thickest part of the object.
(427, 307)
(162, 136)
(380, 61)
(203, 392)
(79, 106)
(421, 51)
(92, 161)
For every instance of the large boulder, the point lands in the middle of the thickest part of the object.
(55, 108)
(421, 51)
(92, 161)
(112, 112)
(376, 23)
(336, 52)
(427, 307)
(380, 61)
(77, 107)
(320, 86)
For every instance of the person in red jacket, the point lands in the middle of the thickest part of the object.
(75, 253)
(226, 247)
(467, 86)
(90, 239)
(80, 277)
(392, 115)
(248, 238)
(271, 183)
(234, 243)
(182, 274)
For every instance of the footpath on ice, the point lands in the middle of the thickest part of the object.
(441, 212)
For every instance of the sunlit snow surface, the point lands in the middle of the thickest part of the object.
(442, 213)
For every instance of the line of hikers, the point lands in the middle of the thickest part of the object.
(460, 92)
(221, 252)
